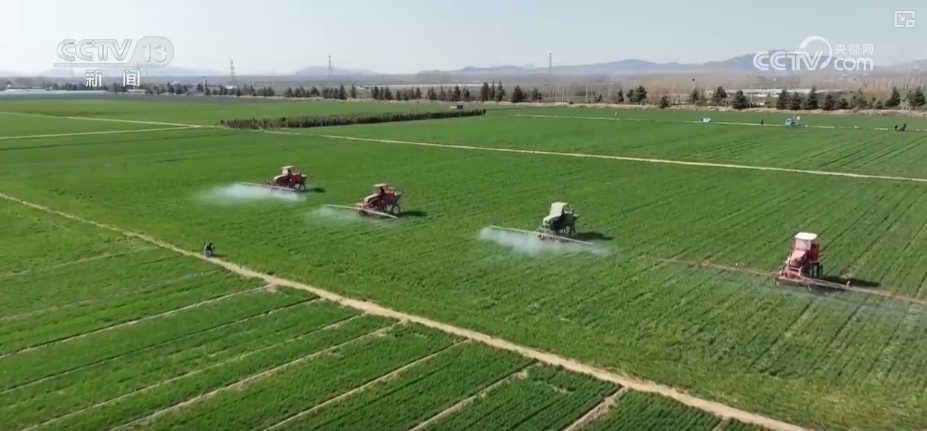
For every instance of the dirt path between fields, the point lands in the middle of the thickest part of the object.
(108, 132)
(727, 123)
(712, 407)
(622, 158)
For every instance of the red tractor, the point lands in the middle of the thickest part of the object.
(802, 265)
(288, 180)
(384, 201)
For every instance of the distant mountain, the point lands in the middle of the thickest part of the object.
(336, 71)
(743, 63)
(8, 74)
(735, 65)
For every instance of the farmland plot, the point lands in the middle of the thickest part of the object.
(863, 151)
(544, 398)
(198, 110)
(300, 362)
(12, 126)
(732, 337)
(648, 412)
(769, 118)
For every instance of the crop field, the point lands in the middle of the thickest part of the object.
(825, 360)
(106, 332)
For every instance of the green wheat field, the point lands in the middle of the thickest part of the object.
(102, 331)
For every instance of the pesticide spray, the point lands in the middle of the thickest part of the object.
(531, 245)
(239, 193)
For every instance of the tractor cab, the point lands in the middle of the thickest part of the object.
(382, 194)
(805, 250)
(557, 210)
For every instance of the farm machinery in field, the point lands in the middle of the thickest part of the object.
(803, 264)
(558, 225)
(383, 202)
(288, 180)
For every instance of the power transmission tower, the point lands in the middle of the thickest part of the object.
(550, 76)
(232, 72)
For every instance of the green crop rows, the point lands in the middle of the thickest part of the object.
(167, 329)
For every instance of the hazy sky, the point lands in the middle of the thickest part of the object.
(404, 36)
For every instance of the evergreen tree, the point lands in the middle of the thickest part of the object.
(442, 94)
(843, 104)
(795, 101)
(894, 100)
(353, 93)
(811, 101)
(858, 101)
(695, 97)
(663, 103)
(418, 93)
(484, 92)
(386, 94)
(631, 96)
(237, 92)
(288, 92)
(619, 98)
(206, 91)
(199, 87)
(640, 93)
(719, 97)
(517, 95)
(740, 100)
(466, 95)
(431, 95)
(782, 102)
(314, 92)
(375, 93)
(492, 92)
(500, 93)
(343, 95)
(455, 95)
(830, 102)
(916, 98)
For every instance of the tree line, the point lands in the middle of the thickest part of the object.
(811, 101)
(496, 92)
(343, 119)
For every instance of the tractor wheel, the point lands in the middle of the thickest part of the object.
(395, 210)
(571, 232)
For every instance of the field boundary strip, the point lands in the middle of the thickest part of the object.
(713, 407)
(111, 120)
(107, 132)
(134, 321)
(520, 373)
(598, 411)
(725, 123)
(623, 158)
(518, 151)
(363, 387)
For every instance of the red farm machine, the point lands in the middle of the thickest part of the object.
(803, 264)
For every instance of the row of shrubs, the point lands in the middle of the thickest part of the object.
(343, 119)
